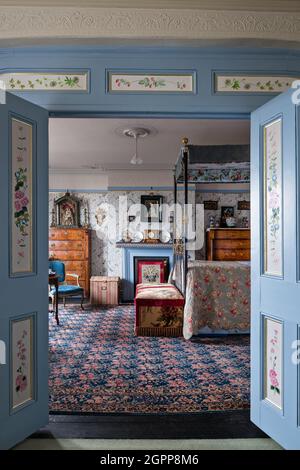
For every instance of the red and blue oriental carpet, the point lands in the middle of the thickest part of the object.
(98, 365)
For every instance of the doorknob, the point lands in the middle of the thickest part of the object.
(2, 353)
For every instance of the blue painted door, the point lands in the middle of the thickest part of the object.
(23, 269)
(275, 270)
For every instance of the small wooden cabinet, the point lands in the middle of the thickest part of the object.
(72, 246)
(228, 244)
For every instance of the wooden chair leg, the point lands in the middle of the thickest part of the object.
(82, 298)
(64, 301)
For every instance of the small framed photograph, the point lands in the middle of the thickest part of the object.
(243, 206)
(151, 208)
(226, 213)
(210, 205)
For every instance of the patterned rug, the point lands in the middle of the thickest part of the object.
(98, 365)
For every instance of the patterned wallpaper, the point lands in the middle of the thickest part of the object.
(106, 258)
(224, 199)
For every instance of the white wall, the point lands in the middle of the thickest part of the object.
(77, 181)
(93, 181)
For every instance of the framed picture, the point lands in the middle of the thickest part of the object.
(151, 270)
(151, 208)
(243, 206)
(22, 367)
(67, 211)
(226, 212)
(210, 205)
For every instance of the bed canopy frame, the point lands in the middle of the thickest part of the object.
(190, 159)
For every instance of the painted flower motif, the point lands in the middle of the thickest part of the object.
(21, 383)
(25, 201)
(273, 378)
(18, 206)
(273, 374)
(19, 194)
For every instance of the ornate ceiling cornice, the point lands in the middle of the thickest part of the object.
(67, 22)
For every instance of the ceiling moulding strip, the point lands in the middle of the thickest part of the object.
(259, 5)
(76, 171)
(75, 22)
(121, 188)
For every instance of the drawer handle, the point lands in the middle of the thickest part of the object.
(53, 245)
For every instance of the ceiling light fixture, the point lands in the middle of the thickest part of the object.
(136, 133)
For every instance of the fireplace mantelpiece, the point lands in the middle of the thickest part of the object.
(143, 245)
(132, 250)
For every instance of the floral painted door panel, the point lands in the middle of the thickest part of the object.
(22, 210)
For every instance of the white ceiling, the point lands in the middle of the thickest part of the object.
(82, 143)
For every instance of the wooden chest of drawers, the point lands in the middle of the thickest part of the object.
(72, 246)
(228, 244)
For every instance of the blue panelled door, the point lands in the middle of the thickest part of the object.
(23, 269)
(275, 270)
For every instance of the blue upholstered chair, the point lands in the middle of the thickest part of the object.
(65, 290)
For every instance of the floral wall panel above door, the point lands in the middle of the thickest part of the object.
(48, 81)
(272, 140)
(21, 197)
(252, 83)
(22, 357)
(141, 82)
(273, 361)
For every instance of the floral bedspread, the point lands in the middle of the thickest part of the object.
(217, 296)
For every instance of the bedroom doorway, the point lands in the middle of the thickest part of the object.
(97, 363)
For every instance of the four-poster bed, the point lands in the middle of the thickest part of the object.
(217, 293)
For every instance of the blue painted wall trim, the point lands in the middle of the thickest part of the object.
(204, 61)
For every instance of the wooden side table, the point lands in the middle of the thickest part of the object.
(53, 281)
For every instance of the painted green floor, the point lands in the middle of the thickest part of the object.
(140, 444)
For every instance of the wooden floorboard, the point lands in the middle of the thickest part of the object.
(204, 425)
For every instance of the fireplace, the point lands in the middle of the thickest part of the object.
(149, 269)
(144, 251)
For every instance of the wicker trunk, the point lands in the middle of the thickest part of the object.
(104, 290)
